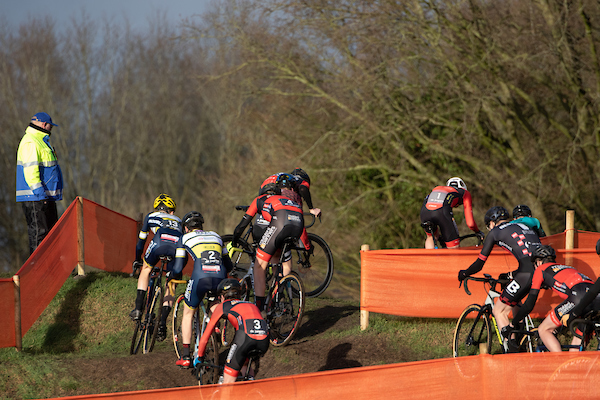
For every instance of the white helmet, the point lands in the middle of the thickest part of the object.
(456, 182)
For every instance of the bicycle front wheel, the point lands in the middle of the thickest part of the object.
(286, 309)
(315, 267)
(473, 334)
(153, 321)
(209, 375)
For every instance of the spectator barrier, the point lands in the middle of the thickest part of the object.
(424, 283)
(484, 377)
(87, 234)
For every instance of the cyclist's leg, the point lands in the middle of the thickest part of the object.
(192, 301)
(448, 228)
(546, 331)
(512, 294)
(142, 288)
(425, 217)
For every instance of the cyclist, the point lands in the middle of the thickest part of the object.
(590, 296)
(565, 281)
(285, 220)
(251, 331)
(522, 214)
(518, 239)
(437, 209)
(166, 227)
(211, 265)
(299, 191)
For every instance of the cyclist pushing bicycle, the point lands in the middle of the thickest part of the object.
(285, 221)
(211, 265)
(166, 227)
(437, 216)
(565, 281)
(251, 331)
(518, 239)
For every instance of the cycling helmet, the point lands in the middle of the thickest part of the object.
(229, 288)
(285, 181)
(164, 202)
(193, 220)
(457, 183)
(543, 252)
(496, 214)
(302, 174)
(521, 211)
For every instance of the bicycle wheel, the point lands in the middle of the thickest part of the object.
(178, 308)
(285, 310)
(473, 334)
(136, 340)
(242, 261)
(315, 268)
(209, 375)
(153, 320)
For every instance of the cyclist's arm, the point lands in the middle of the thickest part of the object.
(181, 257)
(304, 192)
(216, 315)
(468, 210)
(142, 236)
(226, 261)
(526, 307)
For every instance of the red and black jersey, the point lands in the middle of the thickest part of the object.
(242, 315)
(451, 197)
(558, 277)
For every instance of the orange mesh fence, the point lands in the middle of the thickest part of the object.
(48, 267)
(423, 283)
(7, 310)
(110, 238)
(512, 376)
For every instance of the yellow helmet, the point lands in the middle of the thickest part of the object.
(164, 202)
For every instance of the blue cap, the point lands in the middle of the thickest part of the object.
(43, 117)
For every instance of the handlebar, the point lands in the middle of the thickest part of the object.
(486, 279)
(314, 218)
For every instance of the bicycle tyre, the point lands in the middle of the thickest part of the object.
(176, 326)
(153, 321)
(472, 336)
(286, 308)
(315, 269)
(209, 376)
(136, 340)
(242, 261)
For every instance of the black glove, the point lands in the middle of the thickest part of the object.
(462, 275)
(137, 265)
(480, 235)
(505, 277)
(201, 360)
(169, 275)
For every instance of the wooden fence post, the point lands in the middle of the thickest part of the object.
(80, 241)
(18, 337)
(569, 236)
(364, 314)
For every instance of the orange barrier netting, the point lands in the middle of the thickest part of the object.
(423, 283)
(511, 376)
(109, 240)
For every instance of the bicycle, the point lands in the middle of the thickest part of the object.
(146, 328)
(589, 326)
(315, 267)
(473, 333)
(429, 228)
(199, 322)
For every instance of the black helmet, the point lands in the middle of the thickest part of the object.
(164, 202)
(543, 252)
(193, 220)
(496, 214)
(229, 288)
(521, 211)
(302, 174)
(285, 181)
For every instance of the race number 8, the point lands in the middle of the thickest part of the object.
(513, 287)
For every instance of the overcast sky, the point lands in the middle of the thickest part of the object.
(137, 12)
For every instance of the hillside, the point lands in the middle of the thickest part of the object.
(80, 344)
